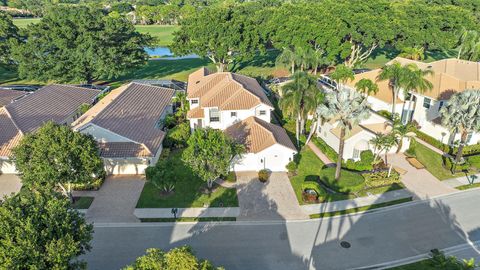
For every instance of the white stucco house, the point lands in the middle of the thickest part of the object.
(127, 124)
(238, 105)
(449, 76)
(358, 139)
(22, 113)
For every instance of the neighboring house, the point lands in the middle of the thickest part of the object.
(58, 103)
(450, 76)
(358, 139)
(238, 105)
(127, 124)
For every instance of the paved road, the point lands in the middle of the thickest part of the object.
(377, 237)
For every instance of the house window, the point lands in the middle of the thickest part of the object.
(194, 101)
(356, 153)
(233, 114)
(214, 115)
(426, 103)
(469, 137)
(441, 105)
(262, 112)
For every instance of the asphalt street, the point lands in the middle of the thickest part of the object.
(377, 237)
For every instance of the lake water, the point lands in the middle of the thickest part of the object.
(165, 53)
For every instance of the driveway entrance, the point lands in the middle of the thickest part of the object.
(274, 200)
(9, 183)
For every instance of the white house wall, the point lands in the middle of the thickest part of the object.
(275, 158)
(103, 135)
(227, 120)
(7, 166)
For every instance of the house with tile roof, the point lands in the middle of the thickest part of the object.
(449, 76)
(128, 126)
(7, 96)
(58, 103)
(238, 105)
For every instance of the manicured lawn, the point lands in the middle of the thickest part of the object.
(349, 181)
(188, 219)
(82, 202)
(22, 23)
(433, 162)
(163, 33)
(465, 187)
(188, 191)
(360, 209)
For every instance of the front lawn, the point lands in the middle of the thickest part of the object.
(433, 162)
(349, 181)
(82, 202)
(163, 33)
(188, 191)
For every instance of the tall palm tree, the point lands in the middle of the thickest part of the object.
(316, 60)
(366, 86)
(416, 81)
(469, 47)
(299, 98)
(348, 108)
(396, 75)
(462, 115)
(414, 53)
(303, 57)
(383, 143)
(287, 58)
(400, 131)
(341, 75)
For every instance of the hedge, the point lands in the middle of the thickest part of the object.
(467, 150)
(315, 186)
(326, 149)
(380, 179)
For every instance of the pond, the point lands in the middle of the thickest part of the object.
(165, 53)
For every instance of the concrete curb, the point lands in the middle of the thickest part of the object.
(187, 212)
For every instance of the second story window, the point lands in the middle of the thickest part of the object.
(233, 114)
(214, 115)
(194, 101)
(426, 103)
(262, 112)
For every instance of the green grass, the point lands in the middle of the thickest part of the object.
(349, 181)
(188, 219)
(420, 265)
(360, 209)
(162, 33)
(188, 191)
(22, 23)
(82, 202)
(433, 162)
(465, 187)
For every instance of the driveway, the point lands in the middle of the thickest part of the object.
(274, 200)
(420, 182)
(9, 183)
(115, 201)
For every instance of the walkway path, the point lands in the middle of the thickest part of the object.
(274, 200)
(463, 180)
(321, 155)
(420, 182)
(115, 201)
(357, 202)
(202, 212)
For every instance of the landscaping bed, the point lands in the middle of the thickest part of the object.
(189, 190)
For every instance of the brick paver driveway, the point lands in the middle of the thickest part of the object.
(274, 200)
(9, 183)
(116, 199)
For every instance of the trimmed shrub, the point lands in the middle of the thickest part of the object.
(385, 114)
(449, 164)
(326, 149)
(231, 177)
(474, 161)
(95, 185)
(364, 164)
(313, 186)
(177, 137)
(380, 179)
(263, 175)
(292, 167)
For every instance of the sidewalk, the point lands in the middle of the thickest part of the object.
(462, 180)
(357, 202)
(187, 212)
(321, 155)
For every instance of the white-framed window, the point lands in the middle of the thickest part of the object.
(441, 105)
(356, 153)
(214, 115)
(262, 112)
(233, 114)
(426, 103)
(194, 101)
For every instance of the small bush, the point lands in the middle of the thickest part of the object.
(231, 177)
(449, 164)
(474, 161)
(292, 167)
(263, 175)
(380, 179)
(177, 137)
(385, 114)
(326, 149)
(95, 185)
(364, 164)
(313, 186)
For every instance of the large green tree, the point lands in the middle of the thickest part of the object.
(54, 155)
(226, 34)
(40, 230)
(8, 35)
(180, 258)
(209, 154)
(462, 115)
(347, 108)
(79, 45)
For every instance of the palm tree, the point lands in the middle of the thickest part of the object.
(400, 131)
(383, 143)
(462, 114)
(414, 53)
(299, 98)
(316, 60)
(366, 86)
(348, 108)
(396, 75)
(303, 57)
(416, 81)
(287, 58)
(341, 75)
(469, 48)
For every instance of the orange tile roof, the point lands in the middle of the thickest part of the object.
(384, 91)
(257, 135)
(10, 135)
(225, 90)
(195, 113)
